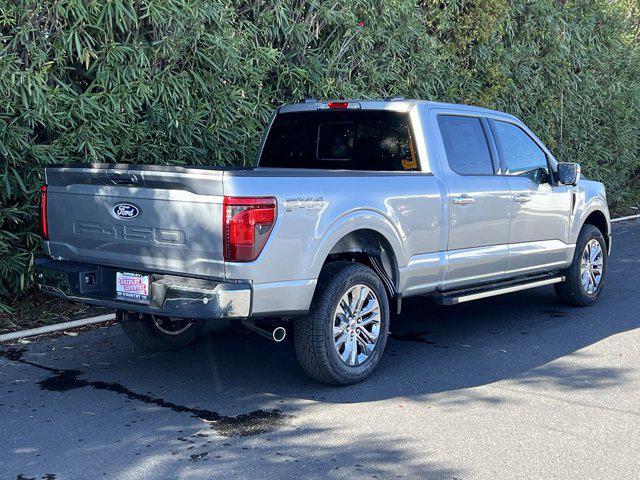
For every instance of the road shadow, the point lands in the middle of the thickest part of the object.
(527, 338)
(432, 349)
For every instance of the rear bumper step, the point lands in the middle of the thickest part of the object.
(461, 296)
(169, 295)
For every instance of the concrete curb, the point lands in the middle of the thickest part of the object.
(622, 219)
(7, 337)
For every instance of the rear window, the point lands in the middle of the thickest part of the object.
(345, 140)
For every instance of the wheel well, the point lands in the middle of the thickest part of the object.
(370, 248)
(598, 220)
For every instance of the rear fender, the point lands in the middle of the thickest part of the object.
(351, 222)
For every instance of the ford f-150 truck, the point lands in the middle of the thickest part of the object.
(353, 206)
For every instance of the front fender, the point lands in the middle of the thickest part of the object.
(589, 203)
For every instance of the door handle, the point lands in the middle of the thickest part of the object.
(521, 198)
(463, 200)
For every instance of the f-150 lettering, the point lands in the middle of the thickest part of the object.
(87, 229)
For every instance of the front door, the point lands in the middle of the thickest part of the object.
(478, 201)
(540, 208)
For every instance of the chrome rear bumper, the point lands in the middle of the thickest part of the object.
(169, 295)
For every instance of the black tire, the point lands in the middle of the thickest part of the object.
(313, 335)
(571, 292)
(143, 331)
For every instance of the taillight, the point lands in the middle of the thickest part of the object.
(44, 225)
(247, 224)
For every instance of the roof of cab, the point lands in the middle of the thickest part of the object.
(393, 104)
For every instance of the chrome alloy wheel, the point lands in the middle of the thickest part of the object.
(356, 325)
(172, 326)
(591, 266)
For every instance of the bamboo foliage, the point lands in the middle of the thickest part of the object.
(195, 81)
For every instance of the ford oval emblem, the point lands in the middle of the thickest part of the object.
(126, 210)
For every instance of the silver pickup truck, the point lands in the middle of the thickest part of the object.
(354, 205)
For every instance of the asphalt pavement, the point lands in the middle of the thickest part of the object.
(516, 386)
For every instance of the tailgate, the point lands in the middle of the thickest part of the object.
(141, 218)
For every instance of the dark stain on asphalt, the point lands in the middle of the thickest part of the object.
(63, 381)
(46, 476)
(246, 424)
(556, 313)
(412, 336)
(13, 354)
(198, 456)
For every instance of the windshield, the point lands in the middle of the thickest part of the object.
(375, 140)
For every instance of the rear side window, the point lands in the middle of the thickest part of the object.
(375, 140)
(465, 145)
(520, 153)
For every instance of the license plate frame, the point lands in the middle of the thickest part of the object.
(132, 287)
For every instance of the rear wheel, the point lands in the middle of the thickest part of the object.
(343, 337)
(154, 332)
(586, 275)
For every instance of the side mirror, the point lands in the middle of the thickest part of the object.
(568, 173)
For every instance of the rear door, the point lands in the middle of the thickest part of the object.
(478, 200)
(166, 219)
(540, 208)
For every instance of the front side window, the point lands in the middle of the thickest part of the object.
(465, 145)
(520, 153)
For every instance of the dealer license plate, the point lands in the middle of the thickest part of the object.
(132, 286)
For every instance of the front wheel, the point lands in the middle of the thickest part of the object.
(343, 337)
(586, 275)
(153, 332)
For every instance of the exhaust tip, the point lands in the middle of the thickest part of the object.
(279, 334)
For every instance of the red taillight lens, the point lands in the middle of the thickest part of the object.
(44, 225)
(247, 224)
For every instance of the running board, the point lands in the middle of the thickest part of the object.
(453, 298)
